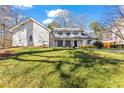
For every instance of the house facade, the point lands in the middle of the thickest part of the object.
(115, 35)
(70, 37)
(30, 33)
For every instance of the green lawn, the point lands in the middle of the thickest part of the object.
(62, 67)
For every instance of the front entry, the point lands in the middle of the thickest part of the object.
(30, 40)
(60, 43)
(68, 43)
(75, 43)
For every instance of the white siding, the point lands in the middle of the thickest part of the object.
(85, 42)
(79, 43)
(40, 35)
(20, 35)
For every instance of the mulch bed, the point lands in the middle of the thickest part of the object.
(5, 53)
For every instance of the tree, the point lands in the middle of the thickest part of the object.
(67, 19)
(5, 16)
(97, 28)
(9, 17)
(113, 21)
(62, 18)
(53, 25)
(81, 21)
(18, 16)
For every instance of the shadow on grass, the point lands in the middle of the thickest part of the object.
(89, 60)
(85, 60)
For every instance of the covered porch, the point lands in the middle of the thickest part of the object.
(68, 42)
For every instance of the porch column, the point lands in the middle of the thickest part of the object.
(56, 43)
(85, 42)
(78, 43)
(63, 43)
(72, 43)
(82, 42)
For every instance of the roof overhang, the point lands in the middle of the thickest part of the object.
(24, 22)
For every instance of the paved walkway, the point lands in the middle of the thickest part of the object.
(118, 51)
(110, 50)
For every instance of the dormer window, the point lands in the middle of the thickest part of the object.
(60, 33)
(68, 33)
(75, 33)
(82, 34)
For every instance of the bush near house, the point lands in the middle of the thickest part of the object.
(118, 46)
(98, 44)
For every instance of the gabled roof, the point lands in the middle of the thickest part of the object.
(67, 29)
(24, 22)
(71, 36)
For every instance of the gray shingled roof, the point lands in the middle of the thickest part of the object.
(67, 29)
(85, 35)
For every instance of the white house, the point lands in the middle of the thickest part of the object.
(70, 37)
(30, 33)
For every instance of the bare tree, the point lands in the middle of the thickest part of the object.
(98, 29)
(62, 18)
(67, 19)
(81, 21)
(113, 21)
(53, 25)
(5, 16)
(18, 16)
(9, 17)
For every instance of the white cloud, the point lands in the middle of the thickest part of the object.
(54, 13)
(23, 6)
(48, 20)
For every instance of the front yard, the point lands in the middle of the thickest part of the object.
(62, 67)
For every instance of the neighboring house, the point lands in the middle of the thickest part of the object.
(29, 33)
(110, 38)
(117, 30)
(70, 37)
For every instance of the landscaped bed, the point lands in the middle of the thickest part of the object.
(61, 67)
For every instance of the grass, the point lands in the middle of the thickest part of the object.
(62, 67)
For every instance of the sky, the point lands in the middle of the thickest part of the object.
(46, 13)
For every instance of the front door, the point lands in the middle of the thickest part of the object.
(30, 40)
(68, 43)
(75, 43)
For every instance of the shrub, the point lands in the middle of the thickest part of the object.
(118, 46)
(114, 46)
(98, 44)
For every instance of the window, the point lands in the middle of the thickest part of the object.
(68, 43)
(68, 33)
(82, 34)
(60, 43)
(30, 38)
(75, 33)
(88, 42)
(60, 33)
